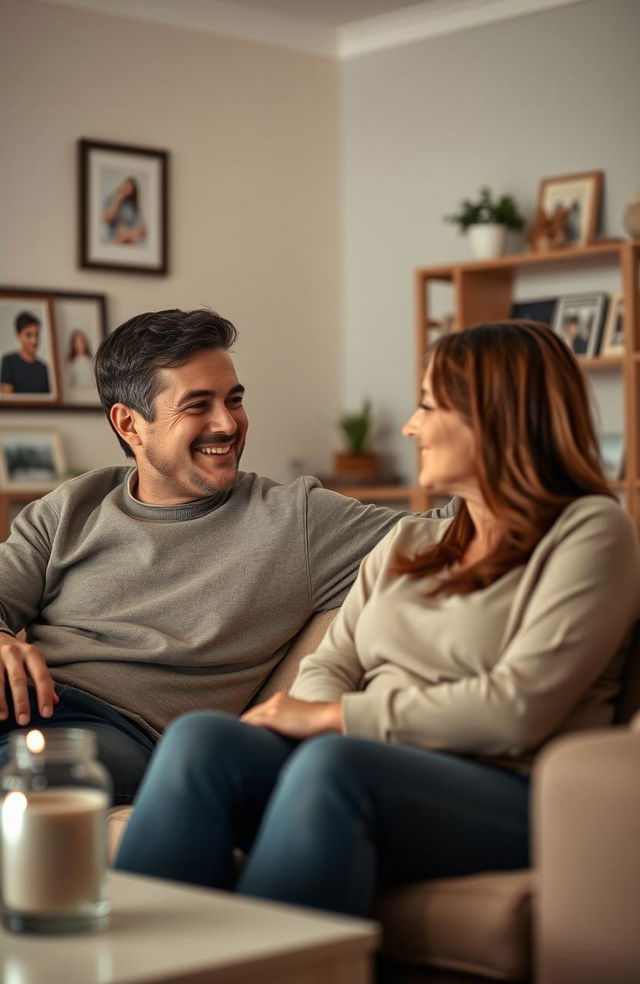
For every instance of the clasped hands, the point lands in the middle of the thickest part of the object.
(296, 718)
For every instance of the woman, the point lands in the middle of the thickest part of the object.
(80, 359)
(463, 646)
(122, 214)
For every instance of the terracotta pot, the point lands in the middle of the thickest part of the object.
(356, 467)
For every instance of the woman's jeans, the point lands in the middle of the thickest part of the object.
(327, 822)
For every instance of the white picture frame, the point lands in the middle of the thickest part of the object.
(578, 319)
(31, 459)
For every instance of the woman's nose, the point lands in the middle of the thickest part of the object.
(410, 427)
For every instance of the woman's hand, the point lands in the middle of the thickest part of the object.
(296, 718)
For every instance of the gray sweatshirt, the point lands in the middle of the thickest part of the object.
(159, 610)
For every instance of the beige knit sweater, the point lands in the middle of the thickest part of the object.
(494, 673)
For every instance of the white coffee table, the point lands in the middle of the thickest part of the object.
(170, 933)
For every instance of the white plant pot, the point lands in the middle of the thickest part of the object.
(487, 240)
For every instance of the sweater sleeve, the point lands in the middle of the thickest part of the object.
(24, 558)
(340, 532)
(575, 620)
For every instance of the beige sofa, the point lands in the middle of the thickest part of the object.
(495, 925)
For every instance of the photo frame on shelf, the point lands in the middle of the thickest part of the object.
(612, 452)
(539, 309)
(31, 460)
(123, 207)
(613, 334)
(79, 323)
(578, 319)
(29, 372)
(581, 193)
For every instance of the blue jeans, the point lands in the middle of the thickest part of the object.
(327, 822)
(123, 748)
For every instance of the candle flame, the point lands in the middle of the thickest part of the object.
(13, 807)
(35, 741)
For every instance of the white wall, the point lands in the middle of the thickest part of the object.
(425, 124)
(253, 136)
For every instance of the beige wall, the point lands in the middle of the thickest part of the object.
(427, 123)
(252, 132)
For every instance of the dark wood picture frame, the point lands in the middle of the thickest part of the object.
(54, 296)
(15, 303)
(123, 207)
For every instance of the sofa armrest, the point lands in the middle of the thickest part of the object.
(307, 641)
(586, 817)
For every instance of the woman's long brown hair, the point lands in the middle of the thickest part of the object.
(520, 390)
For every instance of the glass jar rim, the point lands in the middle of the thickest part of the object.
(40, 744)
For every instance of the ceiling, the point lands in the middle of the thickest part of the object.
(333, 13)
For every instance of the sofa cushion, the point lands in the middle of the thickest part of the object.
(479, 924)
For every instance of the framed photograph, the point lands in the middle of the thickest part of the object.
(79, 324)
(613, 336)
(30, 460)
(612, 454)
(28, 353)
(578, 320)
(540, 309)
(122, 207)
(582, 194)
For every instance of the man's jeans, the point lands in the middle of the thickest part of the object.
(123, 748)
(328, 821)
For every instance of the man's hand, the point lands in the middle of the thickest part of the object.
(19, 663)
(296, 718)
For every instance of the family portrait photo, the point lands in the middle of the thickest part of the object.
(122, 192)
(28, 356)
(613, 337)
(580, 195)
(578, 320)
(30, 459)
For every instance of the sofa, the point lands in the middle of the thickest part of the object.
(550, 925)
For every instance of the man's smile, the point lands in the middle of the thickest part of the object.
(217, 449)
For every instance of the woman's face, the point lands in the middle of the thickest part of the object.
(446, 445)
(79, 343)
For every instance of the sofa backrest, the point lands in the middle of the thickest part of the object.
(629, 700)
(307, 641)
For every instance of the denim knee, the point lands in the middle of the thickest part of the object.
(192, 737)
(322, 761)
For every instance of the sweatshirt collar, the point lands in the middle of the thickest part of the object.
(180, 511)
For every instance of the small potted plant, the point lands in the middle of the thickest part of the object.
(358, 464)
(487, 221)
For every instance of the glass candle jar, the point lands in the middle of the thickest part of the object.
(53, 833)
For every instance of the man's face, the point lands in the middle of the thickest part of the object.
(29, 339)
(193, 446)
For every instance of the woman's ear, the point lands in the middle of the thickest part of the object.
(125, 421)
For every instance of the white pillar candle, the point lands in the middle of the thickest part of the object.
(53, 849)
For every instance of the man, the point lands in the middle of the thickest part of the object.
(176, 584)
(22, 371)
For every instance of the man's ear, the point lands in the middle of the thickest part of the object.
(125, 420)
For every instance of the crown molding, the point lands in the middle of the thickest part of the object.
(432, 19)
(409, 24)
(217, 17)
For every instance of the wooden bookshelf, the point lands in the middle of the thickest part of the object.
(483, 291)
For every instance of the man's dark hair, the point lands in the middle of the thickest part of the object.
(128, 360)
(24, 319)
